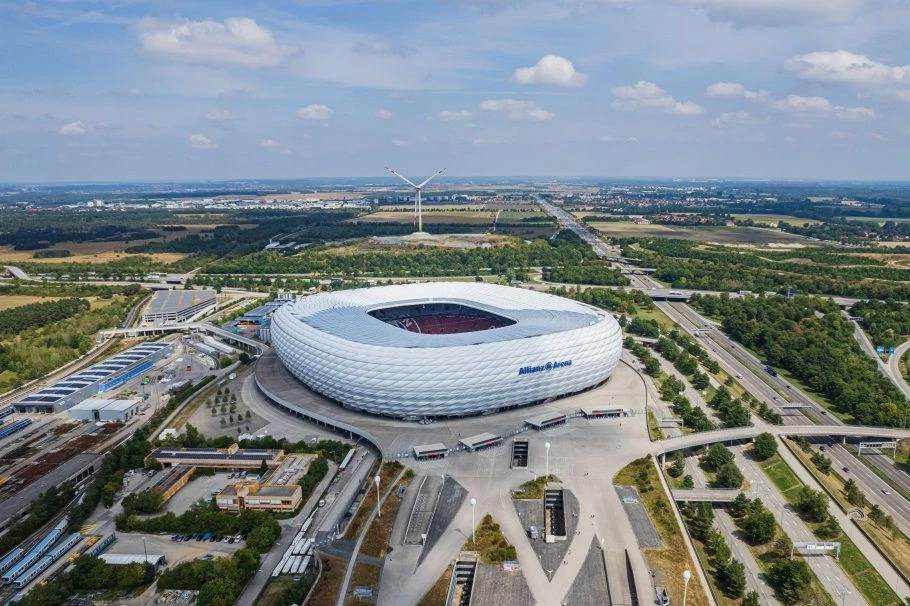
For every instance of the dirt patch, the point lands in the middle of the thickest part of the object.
(87, 252)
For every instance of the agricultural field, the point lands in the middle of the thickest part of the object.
(86, 252)
(708, 234)
(11, 301)
(773, 220)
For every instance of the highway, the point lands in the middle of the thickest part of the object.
(749, 372)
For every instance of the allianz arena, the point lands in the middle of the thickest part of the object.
(444, 349)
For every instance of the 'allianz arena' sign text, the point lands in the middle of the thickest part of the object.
(529, 370)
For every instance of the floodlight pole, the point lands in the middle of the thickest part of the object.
(378, 513)
(546, 474)
(473, 523)
(686, 577)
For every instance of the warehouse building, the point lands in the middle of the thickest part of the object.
(173, 306)
(105, 409)
(96, 379)
(232, 457)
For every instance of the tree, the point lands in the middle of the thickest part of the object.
(812, 504)
(244, 357)
(854, 495)
(759, 526)
(688, 482)
(263, 469)
(248, 415)
(729, 476)
(732, 578)
(783, 546)
(678, 466)
(765, 446)
(751, 599)
(652, 366)
(718, 456)
(700, 381)
(223, 422)
(740, 505)
(790, 578)
(701, 521)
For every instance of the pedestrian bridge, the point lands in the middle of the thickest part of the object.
(225, 335)
(705, 495)
(738, 434)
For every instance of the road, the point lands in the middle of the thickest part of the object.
(755, 577)
(773, 390)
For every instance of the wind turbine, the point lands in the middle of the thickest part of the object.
(417, 207)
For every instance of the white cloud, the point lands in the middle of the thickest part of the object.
(73, 129)
(735, 90)
(854, 114)
(615, 139)
(383, 114)
(451, 116)
(401, 143)
(239, 41)
(770, 13)
(551, 70)
(647, 95)
(269, 143)
(516, 109)
(478, 141)
(844, 67)
(202, 142)
(315, 111)
(218, 115)
(728, 118)
(821, 106)
(798, 104)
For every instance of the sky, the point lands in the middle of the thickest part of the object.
(98, 90)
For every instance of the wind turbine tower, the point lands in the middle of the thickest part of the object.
(417, 206)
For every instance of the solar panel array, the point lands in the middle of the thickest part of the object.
(93, 375)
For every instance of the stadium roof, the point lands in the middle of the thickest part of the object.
(344, 313)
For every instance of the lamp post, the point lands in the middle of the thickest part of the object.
(145, 551)
(378, 513)
(546, 474)
(473, 523)
(686, 576)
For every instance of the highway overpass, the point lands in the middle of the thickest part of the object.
(739, 434)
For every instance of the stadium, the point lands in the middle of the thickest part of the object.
(444, 349)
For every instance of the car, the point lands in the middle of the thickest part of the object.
(227, 540)
(739, 376)
(885, 491)
(847, 469)
(824, 412)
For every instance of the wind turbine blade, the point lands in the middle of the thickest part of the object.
(431, 177)
(408, 181)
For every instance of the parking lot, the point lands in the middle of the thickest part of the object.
(200, 488)
(173, 552)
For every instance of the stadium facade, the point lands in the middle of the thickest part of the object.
(444, 349)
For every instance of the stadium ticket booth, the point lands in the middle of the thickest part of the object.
(481, 441)
(430, 452)
(606, 413)
(546, 421)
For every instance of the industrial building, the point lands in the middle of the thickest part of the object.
(232, 457)
(263, 497)
(96, 379)
(173, 306)
(105, 409)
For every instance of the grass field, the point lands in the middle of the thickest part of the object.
(376, 541)
(489, 542)
(11, 301)
(364, 575)
(437, 594)
(720, 235)
(326, 590)
(388, 472)
(673, 558)
(773, 220)
(430, 217)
